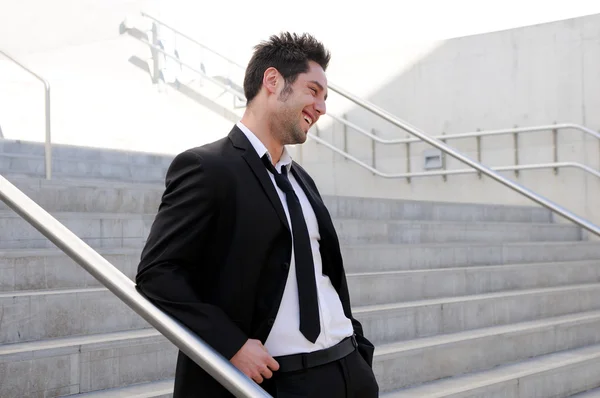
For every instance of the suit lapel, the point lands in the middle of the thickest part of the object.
(240, 141)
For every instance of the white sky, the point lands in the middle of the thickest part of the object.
(234, 26)
(439, 19)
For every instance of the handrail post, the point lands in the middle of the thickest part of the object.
(48, 137)
(345, 135)
(408, 160)
(443, 155)
(373, 150)
(155, 57)
(48, 140)
(478, 138)
(516, 141)
(555, 148)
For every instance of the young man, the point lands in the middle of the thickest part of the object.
(244, 252)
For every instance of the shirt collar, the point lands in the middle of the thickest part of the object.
(261, 149)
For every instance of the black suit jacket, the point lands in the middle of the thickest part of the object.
(218, 253)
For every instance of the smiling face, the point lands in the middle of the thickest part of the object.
(296, 107)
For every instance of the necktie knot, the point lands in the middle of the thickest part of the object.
(281, 179)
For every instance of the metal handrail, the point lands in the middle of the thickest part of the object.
(124, 288)
(535, 166)
(423, 137)
(188, 37)
(468, 161)
(473, 134)
(48, 140)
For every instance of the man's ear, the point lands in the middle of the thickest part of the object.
(270, 79)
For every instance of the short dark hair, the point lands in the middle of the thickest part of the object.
(289, 53)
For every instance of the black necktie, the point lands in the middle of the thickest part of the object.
(305, 268)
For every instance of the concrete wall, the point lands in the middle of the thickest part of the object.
(529, 76)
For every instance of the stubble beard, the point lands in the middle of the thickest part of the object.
(288, 127)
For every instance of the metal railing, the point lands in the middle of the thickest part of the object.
(585, 224)
(48, 138)
(409, 175)
(468, 161)
(124, 288)
(555, 128)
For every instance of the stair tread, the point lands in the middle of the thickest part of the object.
(63, 342)
(83, 214)
(84, 182)
(476, 223)
(146, 390)
(9, 253)
(443, 339)
(595, 393)
(48, 292)
(416, 222)
(379, 246)
(471, 381)
(471, 269)
(473, 297)
(118, 250)
(357, 309)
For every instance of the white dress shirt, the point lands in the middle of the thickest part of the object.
(285, 337)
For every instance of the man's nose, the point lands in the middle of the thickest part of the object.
(320, 107)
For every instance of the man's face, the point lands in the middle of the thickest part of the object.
(299, 105)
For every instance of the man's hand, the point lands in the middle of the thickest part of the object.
(254, 361)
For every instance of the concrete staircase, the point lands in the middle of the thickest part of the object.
(26, 159)
(461, 300)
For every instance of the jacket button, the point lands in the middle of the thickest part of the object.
(285, 266)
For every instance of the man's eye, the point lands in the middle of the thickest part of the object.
(313, 90)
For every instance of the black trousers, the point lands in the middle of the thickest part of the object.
(349, 377)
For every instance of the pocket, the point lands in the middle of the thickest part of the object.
(364, 381)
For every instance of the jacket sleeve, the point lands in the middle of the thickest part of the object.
(174, 258)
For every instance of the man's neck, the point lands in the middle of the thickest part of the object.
(260, 128)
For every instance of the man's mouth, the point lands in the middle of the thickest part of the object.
(307, 118)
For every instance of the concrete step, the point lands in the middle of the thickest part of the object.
(157, 389)
(414, 362)
(83, 364)
(93, 196)
(98, 230)
(352, 231)
(42, 269)
(390, 257)
(595, 393)
(392, 209)
(556, 375)
(400, 286)
(73, 152)
(34, 166)
(110, 361)
(123, 229)
(30, 316)
(96, 195)
(388, 323)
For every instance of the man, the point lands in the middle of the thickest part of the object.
(244, 252)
